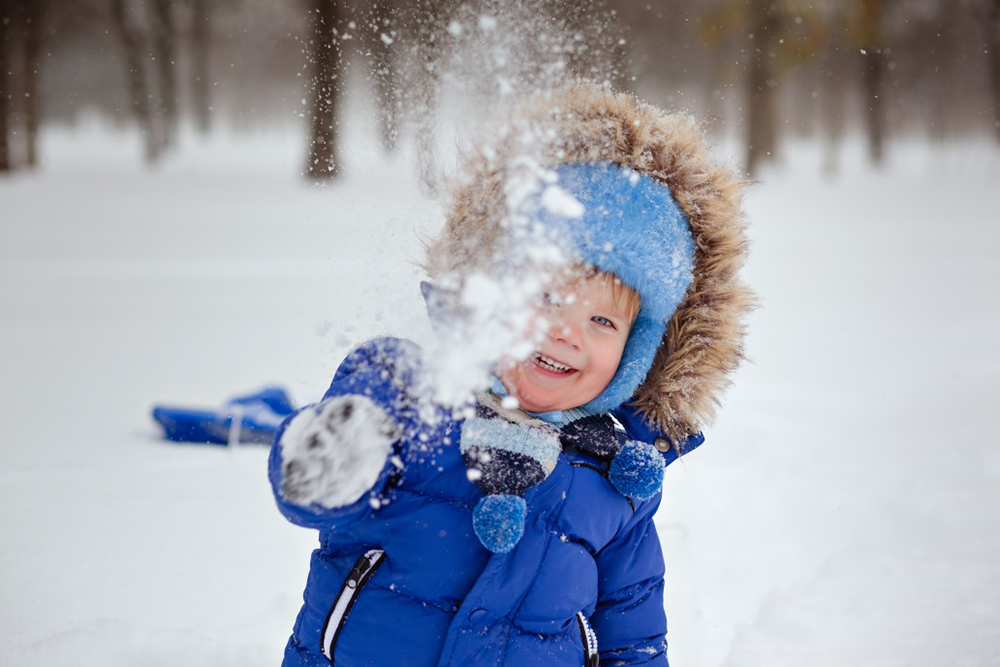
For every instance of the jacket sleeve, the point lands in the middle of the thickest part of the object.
(629, 620)
(378, 373)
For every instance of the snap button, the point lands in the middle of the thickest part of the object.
(662, 445)
(477, 616)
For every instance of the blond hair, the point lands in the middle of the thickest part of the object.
(623, 294)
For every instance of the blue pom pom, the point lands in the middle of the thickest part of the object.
(499, 521)
(637, 470)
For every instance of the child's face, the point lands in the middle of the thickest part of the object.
(579, 355)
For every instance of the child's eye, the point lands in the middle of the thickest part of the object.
(603, 321)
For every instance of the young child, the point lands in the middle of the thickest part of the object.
(520, 532)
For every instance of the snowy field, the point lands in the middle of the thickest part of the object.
(845, 509)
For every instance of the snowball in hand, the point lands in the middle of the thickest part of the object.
(333, 454)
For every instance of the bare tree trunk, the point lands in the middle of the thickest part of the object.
(138, 90)
(200, 42)
(32, 17)
(165, 51)
(715, 84)
(834, 90)
(621, 78)
(941, 71)
(324, 48)
(425, 87)
(993, 45)
(762, 84)
(6, 38)
(872, 77)
(385, 74)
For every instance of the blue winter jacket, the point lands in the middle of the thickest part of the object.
(400, 578)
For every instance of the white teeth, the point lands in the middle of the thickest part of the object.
(551, 364)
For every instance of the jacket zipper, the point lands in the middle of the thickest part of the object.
(589, 639)
(362, 571)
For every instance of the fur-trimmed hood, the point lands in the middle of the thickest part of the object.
(584, 123)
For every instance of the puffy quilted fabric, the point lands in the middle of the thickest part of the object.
(589, 557)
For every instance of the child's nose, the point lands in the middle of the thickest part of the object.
(567, 331)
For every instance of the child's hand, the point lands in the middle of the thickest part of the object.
(334, 453)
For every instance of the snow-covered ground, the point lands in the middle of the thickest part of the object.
(844, 511)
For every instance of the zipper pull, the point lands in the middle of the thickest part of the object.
(360, 569)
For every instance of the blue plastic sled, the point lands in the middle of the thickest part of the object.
(253, 418)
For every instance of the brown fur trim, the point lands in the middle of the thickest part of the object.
(582, 122)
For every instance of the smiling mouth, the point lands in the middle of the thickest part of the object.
(551, 365)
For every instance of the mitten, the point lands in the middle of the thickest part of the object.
(334, 452)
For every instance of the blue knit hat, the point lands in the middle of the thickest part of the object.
(628, 224)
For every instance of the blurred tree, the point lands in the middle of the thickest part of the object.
(939, 41)
(379, 39)
(779, 38)
(622, 73)
(761, 138)
(20, 50)
(993, 48)
(164, 37)
(428, 25)
(801, 46)
(201, 22)
(589, 37)
(132, 37)
(6, 94)
(719, 29)
(873, 70)
(325, 56)
(32, 15)
(834, 76)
